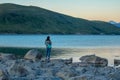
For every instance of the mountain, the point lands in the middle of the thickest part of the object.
(19, 19)
(115, 23)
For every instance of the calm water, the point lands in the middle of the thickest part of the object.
(60, 41)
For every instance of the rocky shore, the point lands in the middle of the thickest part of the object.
(33, 67)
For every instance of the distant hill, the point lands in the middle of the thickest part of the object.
(18, 19)
(117, 24)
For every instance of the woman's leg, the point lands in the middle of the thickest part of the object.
(49, 51)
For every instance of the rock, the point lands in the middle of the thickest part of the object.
(4, 78)
(118, 68)
(94, 61)
(47, 78)
(88, 77)
(58, 69)
(79, 78)
(7, 56)
(19, 78)
(3, 75)
(116, 62)
(81, 70)
(80, 64)
(31, 76)
(105, 70)
(114, 76)
(83, 77)
(68, 61)
(63, 75)
(55, 63)
(17, 69)
(66, 73)
(47, 72)
(33, 54)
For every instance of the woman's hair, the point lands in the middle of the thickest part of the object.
(48, 38)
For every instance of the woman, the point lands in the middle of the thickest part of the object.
(48, 44)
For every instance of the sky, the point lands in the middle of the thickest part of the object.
(104, 10)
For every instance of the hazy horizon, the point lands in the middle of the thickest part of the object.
(104, 10)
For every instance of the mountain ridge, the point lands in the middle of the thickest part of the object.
(19, 19)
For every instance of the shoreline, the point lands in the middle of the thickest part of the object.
(76, 53)
(82, 47)
(109, 53)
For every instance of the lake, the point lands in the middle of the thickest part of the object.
(106, 46)
(60, 41)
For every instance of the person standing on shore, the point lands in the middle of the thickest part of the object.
(48, 44)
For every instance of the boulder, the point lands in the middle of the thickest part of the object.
(47, 72)
(79, 78)
(88, 77)
(3, 75)
(94, 61)
(105, 70)
(47, 78)
(18, 78)
(81, 70)
(7, 56)
(31, 76)
(66, 72)
(83, 77)
(57, 63)
(63, 75)
(68, 61)
(33, 55)
(114, 76)
(17, 69)
(80, 64)
(116, 62)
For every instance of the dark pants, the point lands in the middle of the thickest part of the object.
(48, 53)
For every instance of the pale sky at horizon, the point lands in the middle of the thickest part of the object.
(104, 10)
